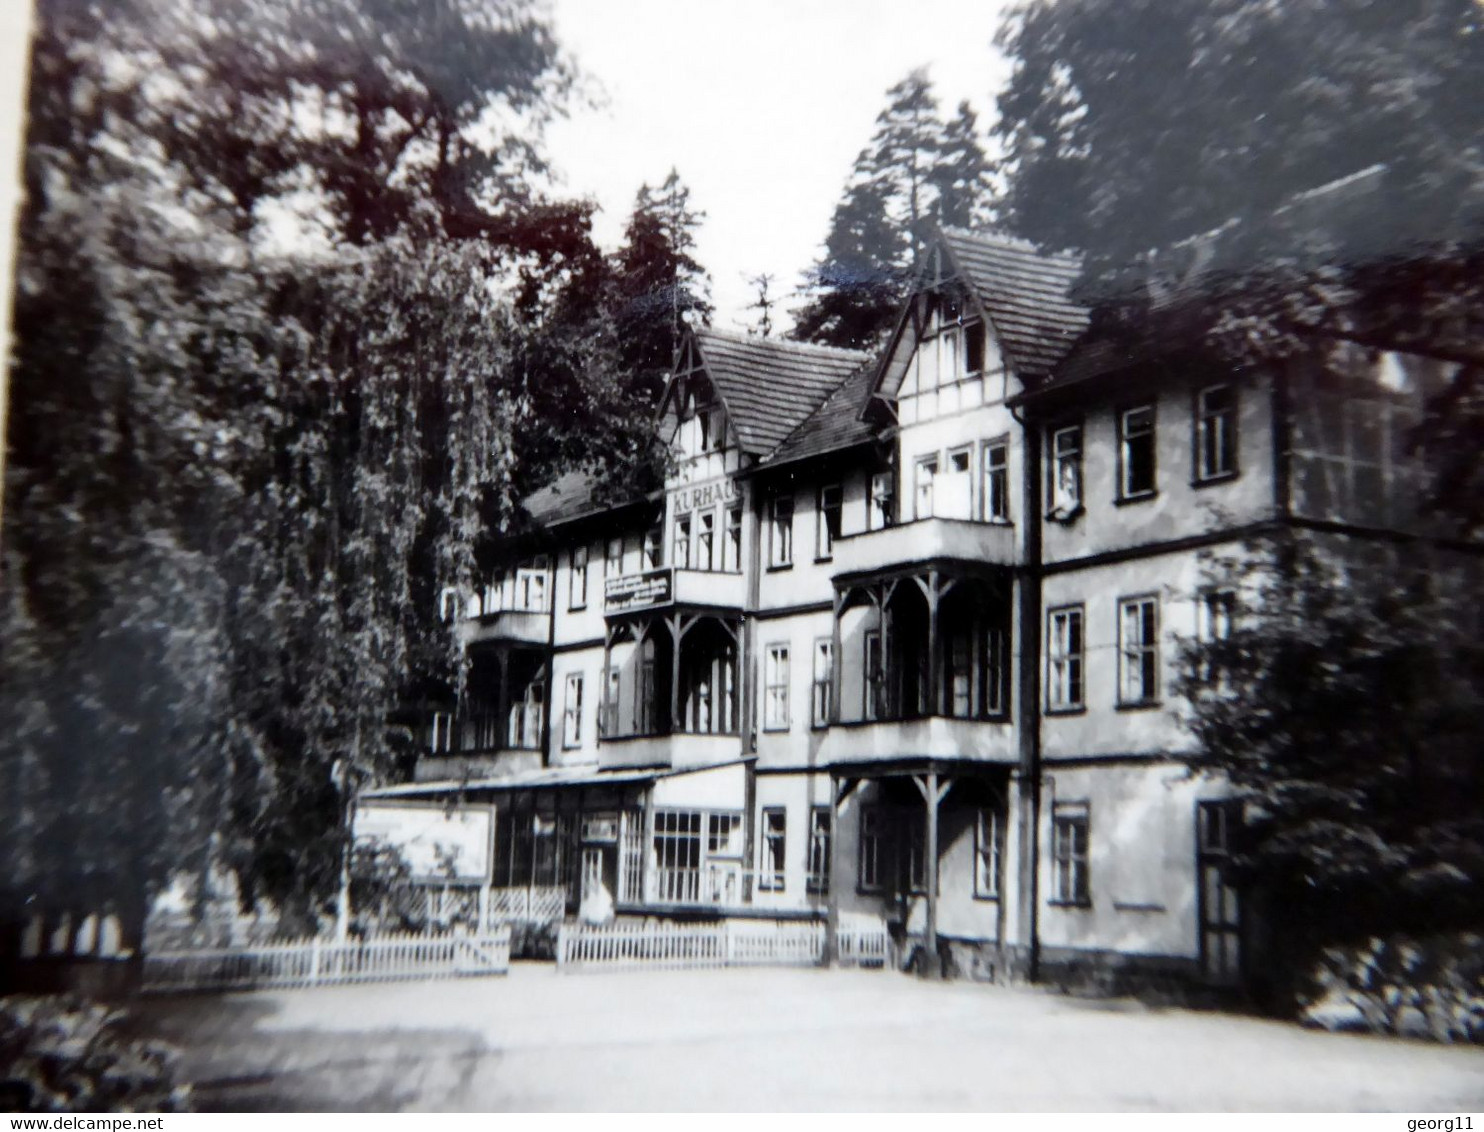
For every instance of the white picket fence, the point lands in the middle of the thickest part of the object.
(317, 962)
(730, 943)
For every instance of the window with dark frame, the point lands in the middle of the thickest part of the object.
(1215, 613)
(608, 717)
(654, 547)
(1215, 433)
(827, 522)
(989, 837)
(925, 472)
(440, 737)
(781, 531)
(775, 688)
(572, 712)
(577, 590)
(448, 605)
(1064, 656)
(613, 558)
(1136, 452)
(1138, 650)
(875, 676)
(771, 869)
(823, 682)
(705, 540)
(994, 482)
(872, 872)
(1064, 474)
(731, 549)
(1070, 882)
(681, 557)
(817, 879)
(881, 512)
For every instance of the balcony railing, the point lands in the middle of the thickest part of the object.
(722, 884)
(925, 540)
(665, 586)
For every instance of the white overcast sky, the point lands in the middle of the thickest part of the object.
(762, 106)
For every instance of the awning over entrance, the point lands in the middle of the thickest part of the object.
(546, 778)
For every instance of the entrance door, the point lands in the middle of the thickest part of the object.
(599, 874)
(1220, 907)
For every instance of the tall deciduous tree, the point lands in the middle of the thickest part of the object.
(279, 301)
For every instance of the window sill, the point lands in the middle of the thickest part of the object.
(1066, 518)
(776, 729)
(821, 560)
(1216, 480)
(1141, 497)
(1080, 905)
(1138, 705)
(987, 898)
(576, 608)
(780, 566)
(1079, 709)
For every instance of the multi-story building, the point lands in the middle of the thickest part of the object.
(896, 640)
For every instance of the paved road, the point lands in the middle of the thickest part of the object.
(777, 1039)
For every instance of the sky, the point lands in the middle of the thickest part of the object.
(762, 106)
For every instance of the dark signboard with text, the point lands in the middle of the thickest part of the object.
(639, 591)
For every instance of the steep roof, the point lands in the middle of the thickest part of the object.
(835, 425)
(1026, 294)
(770, 386)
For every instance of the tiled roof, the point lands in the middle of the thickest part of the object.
(835, 425)
(566, 497)
(1025, 292)
(771, 386)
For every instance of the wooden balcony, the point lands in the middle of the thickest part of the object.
(986, 740)
(680, 748)
(666, 588)
(924, 541)
(514, 626)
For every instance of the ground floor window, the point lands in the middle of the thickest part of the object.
(771, 869)
(872, 850)
(631, 857)
(818, 879)
(1069, 840)
(697, 857)
(989, 839)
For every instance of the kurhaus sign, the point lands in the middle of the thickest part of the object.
(638, 591)
(686, 499)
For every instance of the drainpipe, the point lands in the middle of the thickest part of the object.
(1029, 706)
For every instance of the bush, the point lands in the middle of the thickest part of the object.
(64, 1054)
(1431, 987)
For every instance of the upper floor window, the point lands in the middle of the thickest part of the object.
(823, 681)
(1215, 611)
(705, 540)
(572, 712)
(530, 588)
(731, 547)
(1064, 474)
(781, 531)
(775, 688)
(1215, 433)
(1138, 650)
(1136, 452)
(1064, 659)
(577, 589)
(613, 558)
(925, 474)
(681, 557)
(955, 491)
(881, 506)
(448, 604)
(994, 481)
(654, 547)
(827, 521)
(440, 734)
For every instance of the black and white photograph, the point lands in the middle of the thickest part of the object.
(742, 555)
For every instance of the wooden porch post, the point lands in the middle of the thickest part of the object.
(932, 796)
(836, 665)
(839, 790)
(676, 636)
(933, 704)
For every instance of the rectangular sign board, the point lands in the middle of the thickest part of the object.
(437, 843)
(639, 591)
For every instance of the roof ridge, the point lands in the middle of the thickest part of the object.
(745, 339)
(997, 237)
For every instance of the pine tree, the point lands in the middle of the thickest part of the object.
(661, 288)
(914, 171)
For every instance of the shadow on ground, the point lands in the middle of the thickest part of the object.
(239, 1058)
